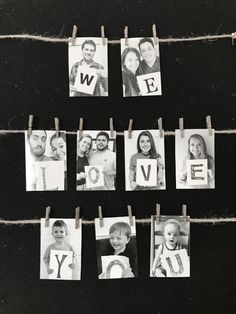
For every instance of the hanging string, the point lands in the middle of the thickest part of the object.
(167, 133)
(56, 39)
(213, 220)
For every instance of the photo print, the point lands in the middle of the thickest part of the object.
(45, 161)
(60, 252)
(140, 65)
(144, 161)
(116, 248)
(195, 159)
(88, 70)
(96, 161)
(169, 253)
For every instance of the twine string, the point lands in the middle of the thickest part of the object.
(57, 39)
(213, 220)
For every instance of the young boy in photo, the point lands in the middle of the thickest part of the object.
(59, 232)
(171, 235)
(119, 234)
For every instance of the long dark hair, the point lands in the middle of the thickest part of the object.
(203, 143)
(153, 151)
(124, 54)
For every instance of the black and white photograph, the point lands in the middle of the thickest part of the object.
(116, 248)
(195, 159)
(170, 247)
(88, 67)
(60, 252)
(96, 161)
(45, 161)
(144, 161)
(140, 65)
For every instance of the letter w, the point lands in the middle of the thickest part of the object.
(86, 79)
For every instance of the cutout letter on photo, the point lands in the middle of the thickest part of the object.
(150, 84)
(50, 175)
(59, 262)
(197, 171)
(115, 266)
(146, 172)
(176, 263)
(94, 176)
(86, 80)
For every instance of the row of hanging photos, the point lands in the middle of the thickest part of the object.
(115, 246)
(96, 167)
(140, 63)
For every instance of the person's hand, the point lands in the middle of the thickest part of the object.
(72, 266)
(158, 273)
(102, 276)
(49, 271)
(183, 178)
(128, 273)
(109, 172)
(210, 174)
(81, 175)
(101, 73)
(133, 185)
(160, 163)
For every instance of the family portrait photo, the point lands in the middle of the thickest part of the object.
(170, 249)
(45, 161)
(60, 252)
(195, 159)
(116, 248)
(140, 65)
(96, 161)
(88, 70)
(144, 161)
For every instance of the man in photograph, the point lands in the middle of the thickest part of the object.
(150, 62)
(36, 152)
(88, 52)
(105, 157)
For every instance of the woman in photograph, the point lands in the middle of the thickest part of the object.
(146, 150)
(58, 146)
(197, 150)
(83, 148)
(130, 60)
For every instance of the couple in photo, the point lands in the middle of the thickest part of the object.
(135, 63)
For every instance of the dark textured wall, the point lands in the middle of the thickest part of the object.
(198, 78)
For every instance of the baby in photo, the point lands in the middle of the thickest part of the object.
(171, 242)
(59, 233)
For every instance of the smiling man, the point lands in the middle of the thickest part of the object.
(150, 62)
(106, 158)
(88, 52)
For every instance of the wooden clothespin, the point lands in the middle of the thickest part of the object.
(130, 128)
(111, 127)
(47, 216)
(81, 122)
(56, 120)
(184, 212)
(208, 125)
(126, 35)
(131, 219)
(30, 124)
(103, 35)
(161, 131)
(181, 127)
(158, 212)
(233, 37)
(101, 222)
(74, 33)
(154, 33)
(77, 217)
